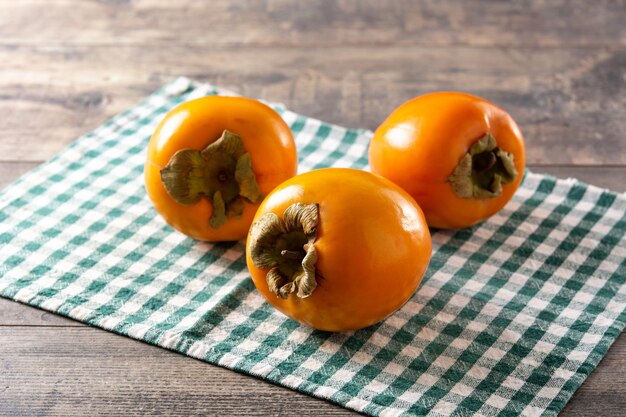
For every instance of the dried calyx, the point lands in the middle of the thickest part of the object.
(483, 170)
(286, 247)
(221, 172)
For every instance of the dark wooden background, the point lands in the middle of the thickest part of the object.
(559, 67)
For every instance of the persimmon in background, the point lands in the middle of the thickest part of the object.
(460, 156)
(212, 160)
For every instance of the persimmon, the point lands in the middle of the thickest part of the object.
(338, 249)
(459, 156)
(210, 162)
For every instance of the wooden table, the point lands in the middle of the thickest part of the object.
(558, 67)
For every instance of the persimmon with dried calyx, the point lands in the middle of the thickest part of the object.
(211, 161)
(460, 156)
(338, 249)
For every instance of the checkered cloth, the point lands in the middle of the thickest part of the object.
(511, 317)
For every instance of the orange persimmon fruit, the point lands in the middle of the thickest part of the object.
(212, 160)
(338, 249)
(459, 156)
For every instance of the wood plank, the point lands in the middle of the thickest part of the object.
(15, 314)
(10, 171)
(84, 371)
(557, 66)
(315, 23)
(611, 178)
(567, 101)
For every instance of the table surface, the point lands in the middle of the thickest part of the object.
(558, 67)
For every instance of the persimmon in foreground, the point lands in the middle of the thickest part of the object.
(211, 161)
(338, 249)
(460, 156)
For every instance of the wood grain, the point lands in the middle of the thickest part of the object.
(293, 23)
(16, 314)
(566, 101)
(86, 372)
(558, 67)
(10, 171)
(608, 177)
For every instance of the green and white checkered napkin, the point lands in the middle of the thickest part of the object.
(511, 317)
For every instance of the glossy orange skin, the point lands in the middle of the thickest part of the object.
(197, 123)
(373, 248)
(423, 140)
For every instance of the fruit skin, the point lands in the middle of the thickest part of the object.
(420, 144)
(373, 248)
(197, 123)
